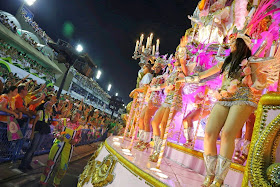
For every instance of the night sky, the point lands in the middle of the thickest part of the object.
(108, 30)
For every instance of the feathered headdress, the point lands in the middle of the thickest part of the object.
(161, 61)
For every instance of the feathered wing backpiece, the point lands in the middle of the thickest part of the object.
(274, 27)
(262, 11)
(240, 13)
(269, 67)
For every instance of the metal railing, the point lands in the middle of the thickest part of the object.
(14, 150)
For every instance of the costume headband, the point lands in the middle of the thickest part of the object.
(246, 39)
(160, 61)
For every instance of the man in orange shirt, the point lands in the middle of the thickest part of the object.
(20, 104)
(20, 101)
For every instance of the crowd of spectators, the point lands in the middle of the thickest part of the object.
(7, 23)
(91, 98)
(90, 84)
(63, 107)
(25, 36)
(24, 97)
(24, 62)
(39, 31)
(28, 39)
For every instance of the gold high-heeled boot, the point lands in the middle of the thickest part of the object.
(210, 164)
(222, 168)
(244, 152)
(188, 132)
(146, 144)
(237, 150)
(157, 146)
(140, 142)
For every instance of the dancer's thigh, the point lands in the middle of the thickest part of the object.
(150, 112)
(197, 115)
(237, 116)
(158, 116)
(216, 120)
(143, 112)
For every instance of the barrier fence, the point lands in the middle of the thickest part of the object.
(14, 150)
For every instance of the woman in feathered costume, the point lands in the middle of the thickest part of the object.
(153, 102)
(143, 86)
(235, 104)
(201, 60)
(159, 121)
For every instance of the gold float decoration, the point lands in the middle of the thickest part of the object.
(89, 168)
(150, 180)
(260, 168)
(103, 171)
(273, 173)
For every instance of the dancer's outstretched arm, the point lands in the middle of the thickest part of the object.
(211, 71)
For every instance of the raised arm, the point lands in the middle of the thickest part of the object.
(211, 71)
(38, 90)
(202, 75)
(182, 55)
(19, 82)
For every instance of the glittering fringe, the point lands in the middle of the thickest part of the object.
(231, 103)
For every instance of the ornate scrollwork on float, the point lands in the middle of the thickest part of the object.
(273, 173)
(103, 171)
(261, 169)
(100, 173)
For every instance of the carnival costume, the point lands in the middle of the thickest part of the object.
(200, 60)
(153, 100)
(141, 98)
(144, 81)
(170, 95)
(169, 100)
(70, 132)
(235, 90)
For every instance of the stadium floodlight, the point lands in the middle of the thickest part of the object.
(30, 2)
(98, 74)
(117, 94)
(109, 87)
(79, 48)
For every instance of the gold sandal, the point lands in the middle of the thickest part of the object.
(144, 146)
(189, 144)
(208, 181)
(138, 144)
(154, 157)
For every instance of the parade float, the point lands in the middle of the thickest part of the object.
(118, 163)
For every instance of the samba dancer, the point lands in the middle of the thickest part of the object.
(143, 85)
(153, 101)
(144, 54)
(160, 119)
(197, 94)
(235, 104)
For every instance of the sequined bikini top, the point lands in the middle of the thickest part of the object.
(172, 77)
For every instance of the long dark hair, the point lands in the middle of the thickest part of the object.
(235, 58)
(10, 89)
